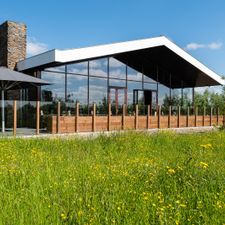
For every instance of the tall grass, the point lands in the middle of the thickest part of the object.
(131, 178)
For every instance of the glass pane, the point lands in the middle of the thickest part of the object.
(117, 83)
(133, 74)
(59, 69)
(163, 95)
(150, 86)
(55, 91)
(131, 87)
(98, 91)
(77, 88)
(78, 68)
(148, 79)
(98, 67)
(117, 69)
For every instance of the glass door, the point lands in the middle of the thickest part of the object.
(117, 97)
(144, 98)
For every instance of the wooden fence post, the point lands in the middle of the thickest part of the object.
(217, 116)
(58, 117)
(159, 116)
(211, 110)
(223, 118)
(196, 115)
(77, 116)
(37, 117)
(123, 117)
(148, 116)
(188, 112)
(14, 117)
(136, 117)
(178, 116)
(169, 117)
(203, 117)
(93, 118)
(109, 117)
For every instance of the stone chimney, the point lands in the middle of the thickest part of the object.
(12, 43)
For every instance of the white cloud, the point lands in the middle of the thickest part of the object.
(211, 46)
(194, 46)
(215, 45)
(34, 47)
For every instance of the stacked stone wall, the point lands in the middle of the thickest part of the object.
(12, 43)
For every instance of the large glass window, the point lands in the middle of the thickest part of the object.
(98, 67)
(77, 88)
(187, 97)
(55, 91)
(150, 86)
(163, 87)
(148, 79)
(117, 69)
(78, 68)
(131, 85)
(163, 94)
(98, 90)
(57, 69)
(133, 74)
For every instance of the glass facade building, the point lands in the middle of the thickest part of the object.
(107, 80)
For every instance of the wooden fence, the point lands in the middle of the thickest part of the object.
(70, 124)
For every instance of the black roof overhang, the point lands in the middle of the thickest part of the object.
(183, 73)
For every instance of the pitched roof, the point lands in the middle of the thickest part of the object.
(182, 58)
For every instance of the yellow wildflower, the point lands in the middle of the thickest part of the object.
(205, 146)
(203, 165)
(171, 171)
(63, 216)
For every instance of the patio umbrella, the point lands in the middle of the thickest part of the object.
(10, 79)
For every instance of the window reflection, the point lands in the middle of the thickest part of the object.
(98, 67)
(98, 91)
(133, 74)
(78, 68)
(117, 69)
(55, 91)
(77, 89)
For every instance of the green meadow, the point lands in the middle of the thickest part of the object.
(130, 178)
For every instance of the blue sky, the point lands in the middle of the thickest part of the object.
(197, 25)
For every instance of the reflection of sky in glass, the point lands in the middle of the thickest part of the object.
(98, 67)
(150, 86)
(117, 69)
(176, 92)
(57, 87)
(98, 90)
(133, 74)
(77, 89)
(117, 83)
(57, 69)
(80, 68)
(215, 89)
(77, 85)
(188, 93)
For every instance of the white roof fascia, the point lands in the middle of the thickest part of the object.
(37, 60)
(109, 49)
